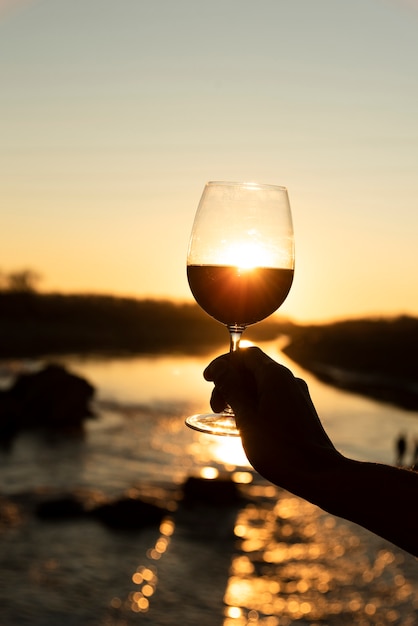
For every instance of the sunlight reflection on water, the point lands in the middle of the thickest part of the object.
(229, 451)
(146, 379)
(294, 562)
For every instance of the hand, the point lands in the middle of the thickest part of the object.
(281, 433)
(285, 442)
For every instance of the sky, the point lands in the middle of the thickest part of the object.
(114, 115)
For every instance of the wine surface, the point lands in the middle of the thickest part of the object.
(241, 296)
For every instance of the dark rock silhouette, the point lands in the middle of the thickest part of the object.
(126, 512)
(198, 514)
(220, 491)
(62, 507)
(129, 513)
(51, 399)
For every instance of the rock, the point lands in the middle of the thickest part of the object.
(51, 399)
(218, 491)
(129, 513)
(64, 507)
(9, 419)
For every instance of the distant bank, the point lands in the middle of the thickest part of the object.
(374, 357)
(33, 325)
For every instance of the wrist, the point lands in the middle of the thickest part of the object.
(319, 478)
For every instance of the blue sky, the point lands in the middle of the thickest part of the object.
(113, 115)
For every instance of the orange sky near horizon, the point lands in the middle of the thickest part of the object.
(114, 116)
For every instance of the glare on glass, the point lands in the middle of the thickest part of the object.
(240, 265)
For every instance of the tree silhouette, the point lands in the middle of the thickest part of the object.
(22, 281)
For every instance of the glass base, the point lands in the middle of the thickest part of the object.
(214, 424)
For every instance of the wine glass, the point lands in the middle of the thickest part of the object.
(239, 265)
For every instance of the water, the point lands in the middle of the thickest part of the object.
(274, 560)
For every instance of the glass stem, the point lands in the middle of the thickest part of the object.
(235, 333)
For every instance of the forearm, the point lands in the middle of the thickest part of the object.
(381, 498)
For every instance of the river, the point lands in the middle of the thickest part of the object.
(273, 561)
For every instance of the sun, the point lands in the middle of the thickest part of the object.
(246, 255)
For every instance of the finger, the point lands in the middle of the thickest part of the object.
(233, 384)
(216, 368)
(217, 401)
(240, 374)
(279, 388)
(264, 369)
(253, 358)
(215, 372)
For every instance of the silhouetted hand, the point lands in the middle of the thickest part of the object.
(285, 442)
(281, 433)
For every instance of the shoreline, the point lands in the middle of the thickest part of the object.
(386, 389)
